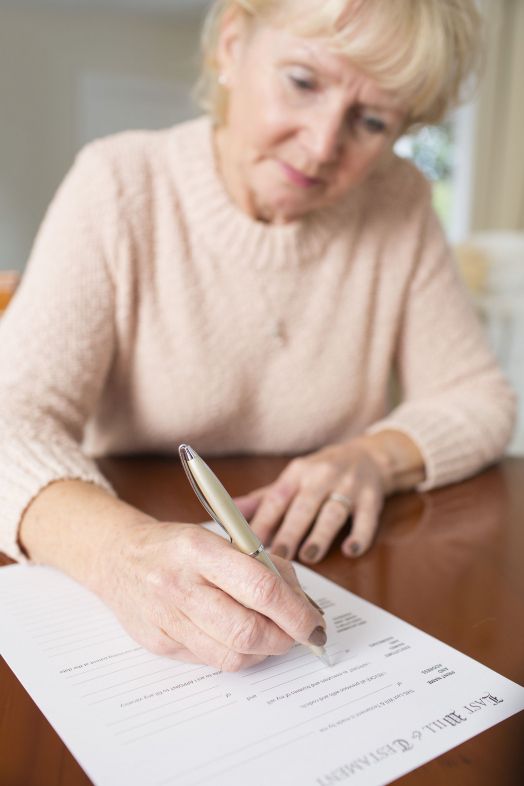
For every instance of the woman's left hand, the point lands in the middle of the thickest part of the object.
(312, 499)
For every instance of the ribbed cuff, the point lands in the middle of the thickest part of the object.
(27, 467)
(444, 440)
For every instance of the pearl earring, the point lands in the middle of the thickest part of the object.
(223, 80)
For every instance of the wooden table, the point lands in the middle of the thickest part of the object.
(451, 562)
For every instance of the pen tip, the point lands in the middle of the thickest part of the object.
(185, 452)
(321, 654)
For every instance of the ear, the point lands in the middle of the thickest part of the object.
(233, 30)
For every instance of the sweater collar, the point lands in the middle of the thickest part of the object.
(222, 227)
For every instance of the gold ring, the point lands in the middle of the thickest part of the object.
(336, 497)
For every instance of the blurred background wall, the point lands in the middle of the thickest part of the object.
(73, 70)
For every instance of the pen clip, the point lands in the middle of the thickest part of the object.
(186, 454)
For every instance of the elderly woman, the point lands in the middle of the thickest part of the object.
(247, 282)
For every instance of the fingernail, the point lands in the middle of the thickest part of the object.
(311, 552)
(352, 549)
(318, 637)
(313, 603)
(279, 550)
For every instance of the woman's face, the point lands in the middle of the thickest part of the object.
(303, 125)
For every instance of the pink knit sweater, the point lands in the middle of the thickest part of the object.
(154, 312)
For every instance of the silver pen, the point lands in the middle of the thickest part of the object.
(219, 505)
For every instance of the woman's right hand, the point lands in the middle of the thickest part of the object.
(184, 592)
(178, 589)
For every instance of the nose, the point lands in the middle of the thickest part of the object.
(324, 135)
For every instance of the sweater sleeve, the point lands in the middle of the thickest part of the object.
(56, 344)
(456, 404)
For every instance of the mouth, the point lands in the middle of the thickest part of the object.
(298, 178)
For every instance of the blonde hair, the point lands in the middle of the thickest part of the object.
(425, 51)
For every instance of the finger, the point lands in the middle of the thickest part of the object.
(332, 517)
(246, 580)
(365, 523)
(229, 623)
(248, 632)
(315, 604)
(202, 649)
(197, 646)
(272, 508)
(287, 571)
(248, 503)
(256, 587)
(297, 521)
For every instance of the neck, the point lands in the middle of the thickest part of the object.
(229, 171)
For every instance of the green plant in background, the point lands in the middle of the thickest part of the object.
(432, 151)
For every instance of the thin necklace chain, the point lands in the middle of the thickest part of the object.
(277, 326)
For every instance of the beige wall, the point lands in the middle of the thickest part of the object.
(498, 170)
(44, 55)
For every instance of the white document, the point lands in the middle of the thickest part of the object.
(393, 699)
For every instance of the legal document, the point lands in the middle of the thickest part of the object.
(393, 699)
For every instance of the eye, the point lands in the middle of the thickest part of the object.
(302, 84)
(373, 124)
(362, 120)
(302, 81)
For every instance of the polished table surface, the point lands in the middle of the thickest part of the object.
(450, 562)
